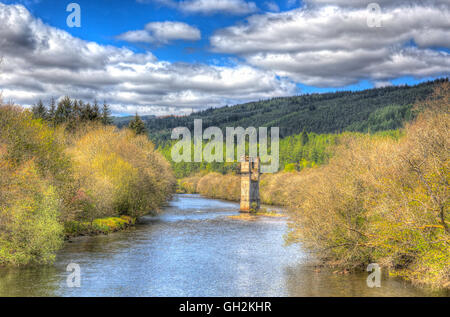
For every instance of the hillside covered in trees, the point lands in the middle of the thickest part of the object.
(368, 110)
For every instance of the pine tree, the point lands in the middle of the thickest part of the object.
(106, 114)
(304, 137)
(137, 125)
(52, 111)
(77, 110)
(39, 110)
(86, 110)
(95, 114)
(64, 111)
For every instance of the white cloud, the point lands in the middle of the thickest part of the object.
(382, 3)
(333, 46)
(40, 61)
(236, 7)
(214, 6)
(272, 6)
(162, 33)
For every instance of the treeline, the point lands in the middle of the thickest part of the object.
(72, 111)
(369, 110)
(56, 176)
(381, 198)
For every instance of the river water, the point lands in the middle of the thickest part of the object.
(193, 248)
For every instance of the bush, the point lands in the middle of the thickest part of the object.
(119, 174)
(35, 187)
(30, 230)
(51, 178)
(384, 200)
(220, 186)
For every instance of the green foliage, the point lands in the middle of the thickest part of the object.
(106, 114)
(52, 177)
(382, 197)
(39, 110)
(72, 112)
(101, 225)
(26, 139)
(318, 113)
(297, 152)
(387, 118)
(137, 125)
(119, 174)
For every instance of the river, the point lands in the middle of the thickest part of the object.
(193, 248)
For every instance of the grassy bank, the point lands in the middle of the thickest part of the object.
(68, 172)
(380, 199)
(97, 226)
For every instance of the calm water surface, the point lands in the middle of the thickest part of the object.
(193, 249)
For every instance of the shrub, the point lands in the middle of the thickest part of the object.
(119, 173)
(30, 231)
(35, 187)
(384, 200)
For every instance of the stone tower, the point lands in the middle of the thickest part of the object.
(250, 170)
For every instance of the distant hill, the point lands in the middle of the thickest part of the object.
(373, 109)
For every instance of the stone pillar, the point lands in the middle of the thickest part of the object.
(250, 172)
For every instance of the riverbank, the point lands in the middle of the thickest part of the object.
(379, 199)
(59, 172)
(180, 252)
(97, 226)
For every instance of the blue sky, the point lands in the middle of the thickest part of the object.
(217, 52)
(103, 20)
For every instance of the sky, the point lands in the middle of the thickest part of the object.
(165, 57)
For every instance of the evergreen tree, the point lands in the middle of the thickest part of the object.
(52, 111)
(77, 110)
(64, 111)
(86, 111)
(304, 137)
(106, 114)
(95, 114)
(39, 110)
(137, 125)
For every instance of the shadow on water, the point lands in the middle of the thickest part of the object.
(193, 249)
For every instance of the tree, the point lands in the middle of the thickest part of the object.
(137, 125)
(95, 115)
(304, 137)
(39, 110)
(64, 111)
(106, 114)
(52, 111)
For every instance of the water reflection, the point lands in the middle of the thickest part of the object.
(192, 249)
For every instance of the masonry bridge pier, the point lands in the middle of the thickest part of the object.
(250, 174)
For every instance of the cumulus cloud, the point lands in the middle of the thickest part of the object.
(162, 33)
(334, 46)
(40, 61)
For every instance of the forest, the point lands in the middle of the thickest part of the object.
(369, 110)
